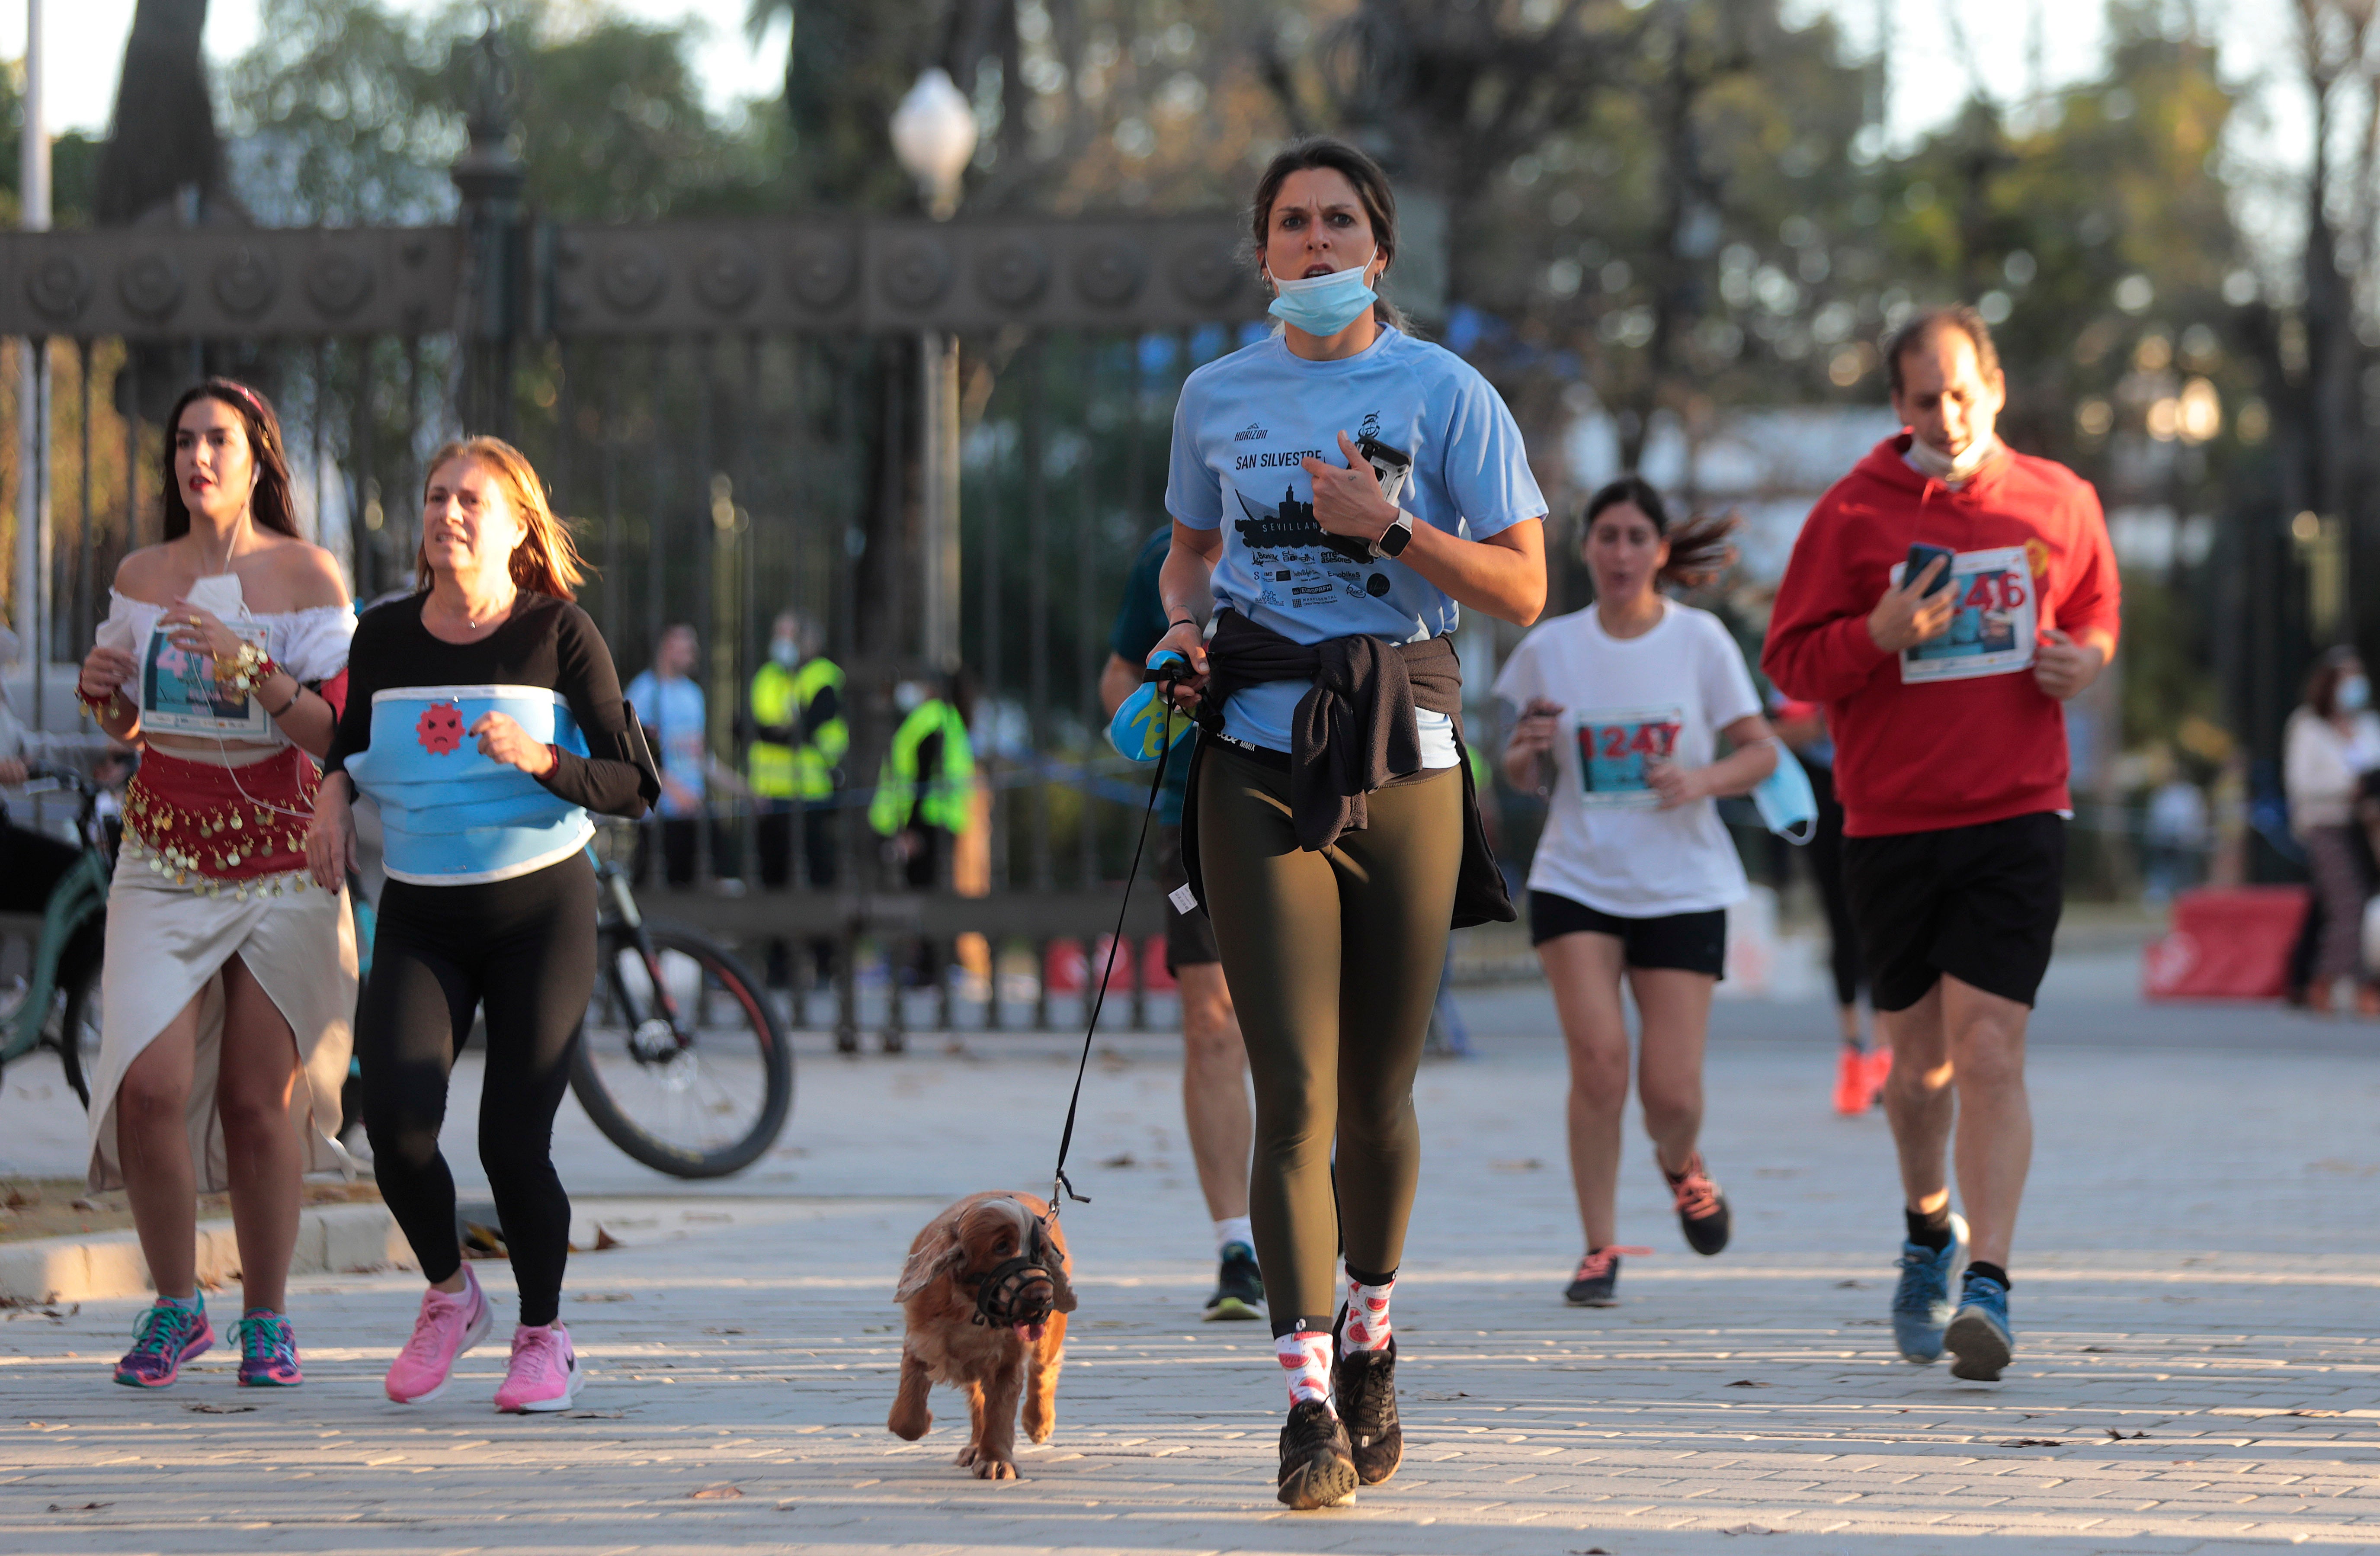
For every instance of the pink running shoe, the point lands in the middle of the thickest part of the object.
(447, 1326)
(544, 1370)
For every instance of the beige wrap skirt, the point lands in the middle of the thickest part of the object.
(167, 944)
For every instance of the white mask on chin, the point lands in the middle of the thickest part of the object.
(1928, 460)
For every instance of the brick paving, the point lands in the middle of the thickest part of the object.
(2195, 1282)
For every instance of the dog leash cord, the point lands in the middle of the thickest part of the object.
(1060, 1183)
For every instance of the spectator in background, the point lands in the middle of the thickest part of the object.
(799, 738)
(2173, 838)
(926, 788)
(669, 704)
(2332, 740)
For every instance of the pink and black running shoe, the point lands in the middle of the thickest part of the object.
(268, 1351)
(164, 1338)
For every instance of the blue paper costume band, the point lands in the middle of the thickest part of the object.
(453, 817)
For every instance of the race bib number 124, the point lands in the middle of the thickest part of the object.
(1614, 747)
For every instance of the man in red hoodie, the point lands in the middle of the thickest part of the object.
(1944, 690)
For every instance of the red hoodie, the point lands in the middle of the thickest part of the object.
(1916, 753)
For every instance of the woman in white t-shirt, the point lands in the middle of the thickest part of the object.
(1621, 709)
(2332, 741)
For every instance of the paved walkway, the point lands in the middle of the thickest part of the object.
(2195, 1280)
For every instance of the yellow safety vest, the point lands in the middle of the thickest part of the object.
(782, 696)
(942, 800)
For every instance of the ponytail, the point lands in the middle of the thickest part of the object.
(1700, 548)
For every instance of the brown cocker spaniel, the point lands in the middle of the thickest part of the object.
(986, 1294)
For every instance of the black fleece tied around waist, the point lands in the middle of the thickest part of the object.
(1353, 733)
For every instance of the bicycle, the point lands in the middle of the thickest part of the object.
(75, 916)
(683, 1062)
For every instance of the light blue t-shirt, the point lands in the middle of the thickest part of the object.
(1241, 426)
(673, 711)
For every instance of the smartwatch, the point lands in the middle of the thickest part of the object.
(1392, 540)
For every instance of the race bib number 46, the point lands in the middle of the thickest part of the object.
(1994, 615)
(1615, 744)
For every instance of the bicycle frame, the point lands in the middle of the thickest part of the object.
(620, 912)
(78, 895)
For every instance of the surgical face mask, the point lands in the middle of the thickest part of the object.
(1324, 305)
(1929, 460)
(786, 652)
(2354, 694)
(908, 696)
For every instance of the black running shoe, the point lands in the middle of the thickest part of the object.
(1702, 1208)
(1596, 1282)
(1363, 1383)
(1316, 1468)
(1239, 1287)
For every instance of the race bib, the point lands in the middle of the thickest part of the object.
(1994, 617)
(180, 694)
(1614, 747)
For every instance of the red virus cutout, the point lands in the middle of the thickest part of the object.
(441, 728)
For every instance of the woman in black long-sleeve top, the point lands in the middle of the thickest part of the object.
(484, 717)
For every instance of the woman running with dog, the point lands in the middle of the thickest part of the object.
(1623, 706)
(1323, 479)
(227, 984)
(484, 718)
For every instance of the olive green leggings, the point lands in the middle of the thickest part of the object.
(1334, 960)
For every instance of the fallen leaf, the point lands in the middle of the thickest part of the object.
(2318, 1414)
(2032, 1442)
(714, 1329)
(1749, 1529)
(604, 1296)
(2116, 1436)
(1591, 1550)
(605, 1240)
(1123, 1161)
(78, 1507)
(1851, 1285)
(1747, 1383)
(2098, 1350)
(593, 1414)
(1518, 1164)
(715, 1494)
(220, 1409)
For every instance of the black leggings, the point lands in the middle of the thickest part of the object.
(523, 949)
(1826, 857)
(1334, 961)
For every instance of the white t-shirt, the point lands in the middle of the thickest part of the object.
(1666, 695)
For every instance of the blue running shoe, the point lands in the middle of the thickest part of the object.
(1921, 1303)
(1979, 1338)
(1147, 725)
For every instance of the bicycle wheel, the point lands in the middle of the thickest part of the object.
(79, 1030)
(703, 1099)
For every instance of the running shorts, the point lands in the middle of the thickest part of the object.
(1686, 941)
(1978, 903)
(1189, 937)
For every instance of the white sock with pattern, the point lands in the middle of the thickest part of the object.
(1305, 1356)
(1367, 1315)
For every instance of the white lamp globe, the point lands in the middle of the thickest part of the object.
(934, 136)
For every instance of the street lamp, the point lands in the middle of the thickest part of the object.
(934, 136)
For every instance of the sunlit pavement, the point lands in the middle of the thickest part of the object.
(2195, 1283)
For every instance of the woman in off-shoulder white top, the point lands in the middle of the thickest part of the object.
(229, 980)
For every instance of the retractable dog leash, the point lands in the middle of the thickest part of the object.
(1163, 671)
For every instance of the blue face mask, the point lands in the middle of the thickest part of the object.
(2354, 694)
(1324, 305)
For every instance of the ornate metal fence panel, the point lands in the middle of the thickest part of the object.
(731, 413)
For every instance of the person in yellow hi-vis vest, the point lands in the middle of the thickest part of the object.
(925, 791)
(799, 738)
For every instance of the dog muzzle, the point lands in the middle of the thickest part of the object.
(1017, 1293)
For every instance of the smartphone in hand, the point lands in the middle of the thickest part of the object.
(1921, 556)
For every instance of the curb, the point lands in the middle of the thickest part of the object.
(330, 1239)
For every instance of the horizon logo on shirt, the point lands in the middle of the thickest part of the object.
(1252, 432)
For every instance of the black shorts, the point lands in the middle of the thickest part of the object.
(1189, 937)
(1687, 942)
(1978, 903)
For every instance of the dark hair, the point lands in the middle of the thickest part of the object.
(2322, 681)
(1699, 548)
(273, 504)
(1372, 188)
(1923, 325)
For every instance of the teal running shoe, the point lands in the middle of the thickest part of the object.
(162, 1339)
(268, 1351)
(1979, 1339)
(1921, 1303)
(1146, 724)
